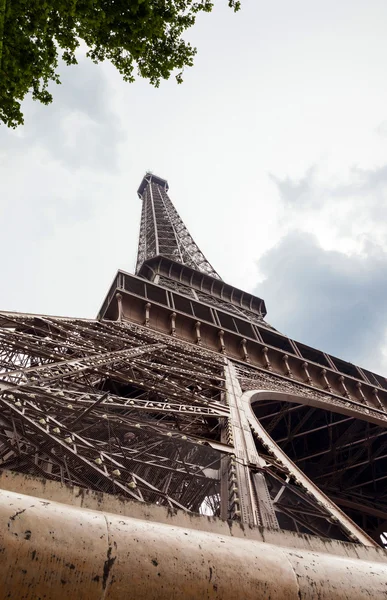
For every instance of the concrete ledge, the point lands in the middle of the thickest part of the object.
(56, 551)
(88, 499)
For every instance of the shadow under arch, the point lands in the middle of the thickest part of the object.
(341, 451)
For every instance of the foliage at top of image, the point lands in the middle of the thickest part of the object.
(139, 37)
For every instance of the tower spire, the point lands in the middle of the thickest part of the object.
(162, 231)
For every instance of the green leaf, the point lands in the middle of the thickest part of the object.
(139, 37)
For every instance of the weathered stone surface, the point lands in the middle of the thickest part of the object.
(53, 550)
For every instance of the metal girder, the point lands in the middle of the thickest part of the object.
(163, 232)
(119, 408)
(110, 407)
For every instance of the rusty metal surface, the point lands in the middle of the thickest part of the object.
(298, 476)
(162, 231)
(136, 426)
(122, 409)
(50, 550)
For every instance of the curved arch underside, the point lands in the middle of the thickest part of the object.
(341, 450)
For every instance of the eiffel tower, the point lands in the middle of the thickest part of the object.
(181, 396)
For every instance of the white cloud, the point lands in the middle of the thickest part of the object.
(296, 90)
(328, 289)
(347, 214)
(327, 299)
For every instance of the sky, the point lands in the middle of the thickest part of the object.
(275, 149)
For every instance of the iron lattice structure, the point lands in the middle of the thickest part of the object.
(162, 232)
(120, 409)
(109, 407)
(181, 394)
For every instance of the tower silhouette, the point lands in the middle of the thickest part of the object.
(181, 394)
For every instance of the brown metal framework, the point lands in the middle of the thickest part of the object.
(108, 407)
(162, 232)
(181, 394)
(119, 408)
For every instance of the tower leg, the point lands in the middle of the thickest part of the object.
(244, 491)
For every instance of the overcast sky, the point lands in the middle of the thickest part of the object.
(275, 149)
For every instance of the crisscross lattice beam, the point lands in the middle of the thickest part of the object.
(162, 232)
